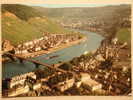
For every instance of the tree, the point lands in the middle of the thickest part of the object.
(39, 74)
(66, 66)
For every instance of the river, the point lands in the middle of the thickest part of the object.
(93, 41)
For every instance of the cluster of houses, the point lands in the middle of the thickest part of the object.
(26, 83)
(20, 79)
(102, 66)
(6, 46)
(105, 52)
(94, 24)
(19, 84)
(89, 22)
(44, 43)
(96, 79)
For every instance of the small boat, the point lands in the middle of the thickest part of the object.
(85, 52)
(52, 57)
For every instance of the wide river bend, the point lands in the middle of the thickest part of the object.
(93, 41)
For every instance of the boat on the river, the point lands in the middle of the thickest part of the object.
(51, 57)
(85, 52)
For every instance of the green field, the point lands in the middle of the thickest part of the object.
(17, 31)
(124, 35)
(46, 25)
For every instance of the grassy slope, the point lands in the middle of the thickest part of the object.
(21, 31)
(18, 29)
(46, 25)
(124, 35)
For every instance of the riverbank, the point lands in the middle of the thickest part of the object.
(105, 69)
(50, 50)
(11, 69)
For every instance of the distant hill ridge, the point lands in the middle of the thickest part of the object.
(22, 11)
(74, 14)
(113, 20)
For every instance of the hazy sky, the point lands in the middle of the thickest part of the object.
(71, 5)
(66, 1)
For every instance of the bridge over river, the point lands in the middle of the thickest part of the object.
(11, 69)
(37, 63)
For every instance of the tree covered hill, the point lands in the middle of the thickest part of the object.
(113, 20)
(81, 13)
(21, 11)
(22, 23)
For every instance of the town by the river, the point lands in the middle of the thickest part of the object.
(66, 50)
(93, 41)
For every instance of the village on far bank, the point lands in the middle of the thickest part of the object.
(44, 43)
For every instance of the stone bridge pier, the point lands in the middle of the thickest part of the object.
(36, 64)
(9, 56)
(21, 59)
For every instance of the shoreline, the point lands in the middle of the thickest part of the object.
(50, 50)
